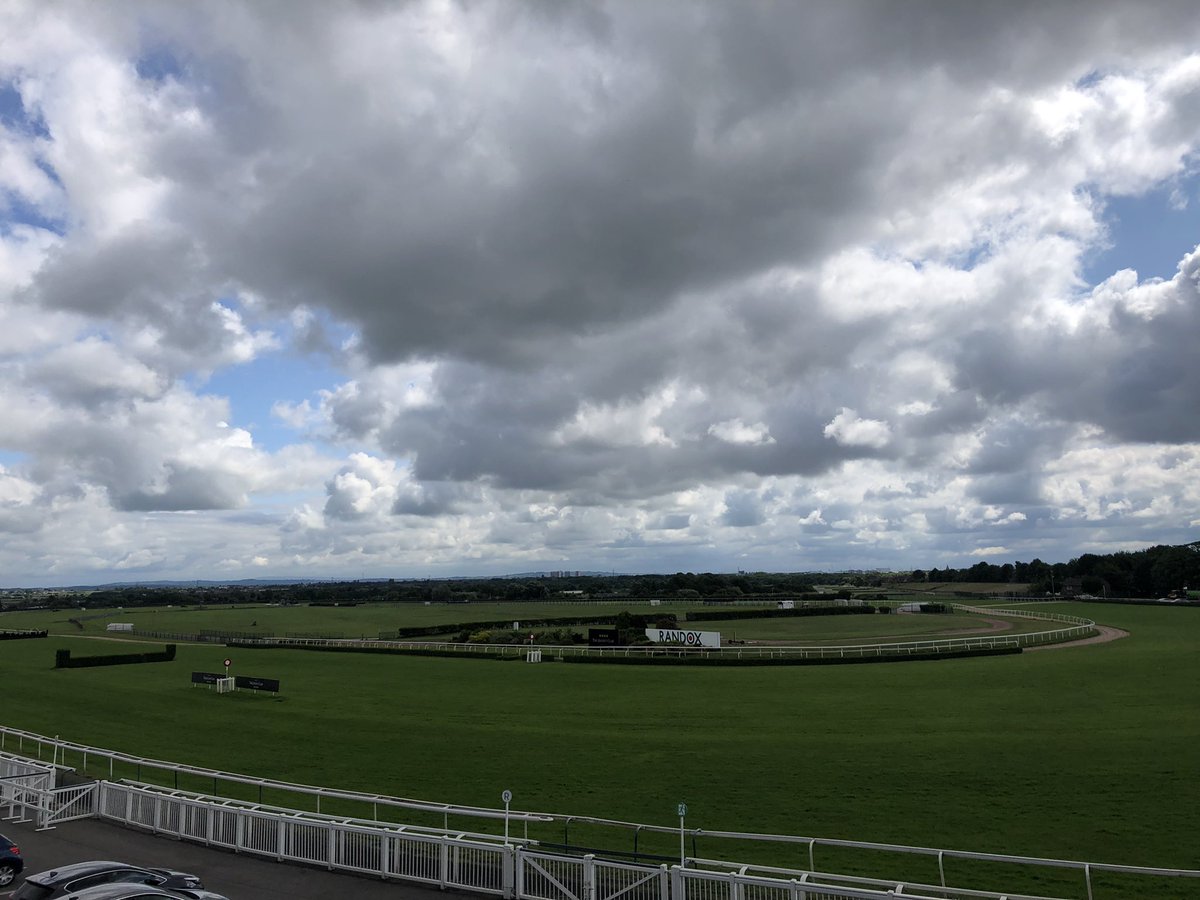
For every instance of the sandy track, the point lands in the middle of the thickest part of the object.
(1107, 633)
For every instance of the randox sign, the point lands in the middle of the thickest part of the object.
(689, 638)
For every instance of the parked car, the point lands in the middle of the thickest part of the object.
(78, 877)
(142, 892)
(11, 862)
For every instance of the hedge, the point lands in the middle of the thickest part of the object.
(63, 659)
(779, 613)
(21, 635)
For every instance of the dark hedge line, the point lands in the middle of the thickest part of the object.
(795, 661)
(396, 651)
(1134, 601)
(21, 635)
(63, 659)
(778, 613)
(431, 630)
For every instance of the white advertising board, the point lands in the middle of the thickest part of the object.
(683, 636)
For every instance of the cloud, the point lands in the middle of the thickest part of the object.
(657, 285)
(849, 430)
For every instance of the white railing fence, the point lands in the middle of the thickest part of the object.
(832, 880)
(22, 786)
(491, 866)
(1076, 627)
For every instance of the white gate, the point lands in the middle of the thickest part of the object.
(22, 786)
(65, 804)
(546, 876)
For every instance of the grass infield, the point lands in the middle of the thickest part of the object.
(1085, 753)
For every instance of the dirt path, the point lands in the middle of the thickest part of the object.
(1107, 633)
(989, 626)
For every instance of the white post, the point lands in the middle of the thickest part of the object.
(682, 810)
(507, 798)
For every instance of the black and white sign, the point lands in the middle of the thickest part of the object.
(251, 683)
(603, 637)
(687, 638)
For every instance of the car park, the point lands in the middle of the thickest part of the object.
(11, 862)
(142, 892)
(78, 877)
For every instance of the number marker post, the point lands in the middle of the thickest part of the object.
(682, 810)
(507, 798)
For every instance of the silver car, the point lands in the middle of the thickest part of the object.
(142, 892)
(81, 876)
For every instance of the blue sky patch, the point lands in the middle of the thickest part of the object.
(1149, 233)
(254, 387)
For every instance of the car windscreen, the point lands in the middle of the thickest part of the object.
(32, 891)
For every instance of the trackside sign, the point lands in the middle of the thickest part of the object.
(689, 638)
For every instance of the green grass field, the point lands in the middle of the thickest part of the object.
(1084, 753)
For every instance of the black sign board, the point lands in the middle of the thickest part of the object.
(603, 637)
(250, 683)
(205, 677)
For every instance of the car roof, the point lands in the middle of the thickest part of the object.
(117, 891)
(75, 870)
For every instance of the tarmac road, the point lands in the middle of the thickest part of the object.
(236, 875)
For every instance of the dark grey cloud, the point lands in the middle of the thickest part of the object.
(183, 488)
(615, 275)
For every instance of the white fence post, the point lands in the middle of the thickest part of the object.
(509, 871)
(589, 877)
(444, 864)
(678, 891)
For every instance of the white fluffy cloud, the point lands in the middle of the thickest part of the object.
(632, 286)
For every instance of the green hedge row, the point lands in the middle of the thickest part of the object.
(365, 648)
(779, 613)
(431, 630)
(21, 635)
(63, 659)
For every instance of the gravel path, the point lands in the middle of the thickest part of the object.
(1107, 633)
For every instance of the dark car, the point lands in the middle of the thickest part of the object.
(11, 863)
(142, 892)
(81, 876)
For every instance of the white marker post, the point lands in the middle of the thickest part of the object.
(682, 810)
(507, 798)
(228, 663)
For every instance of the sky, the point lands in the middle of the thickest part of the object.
(382, 289)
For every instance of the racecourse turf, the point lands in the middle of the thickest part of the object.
(1083, 752)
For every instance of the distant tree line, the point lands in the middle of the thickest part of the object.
(1153, 572)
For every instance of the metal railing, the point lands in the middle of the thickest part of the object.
(489, 864)
(666, 651)
(22, 785)
(1077, 627)
(834, 880)
(59, 753)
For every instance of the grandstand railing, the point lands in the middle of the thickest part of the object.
(296, 835)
